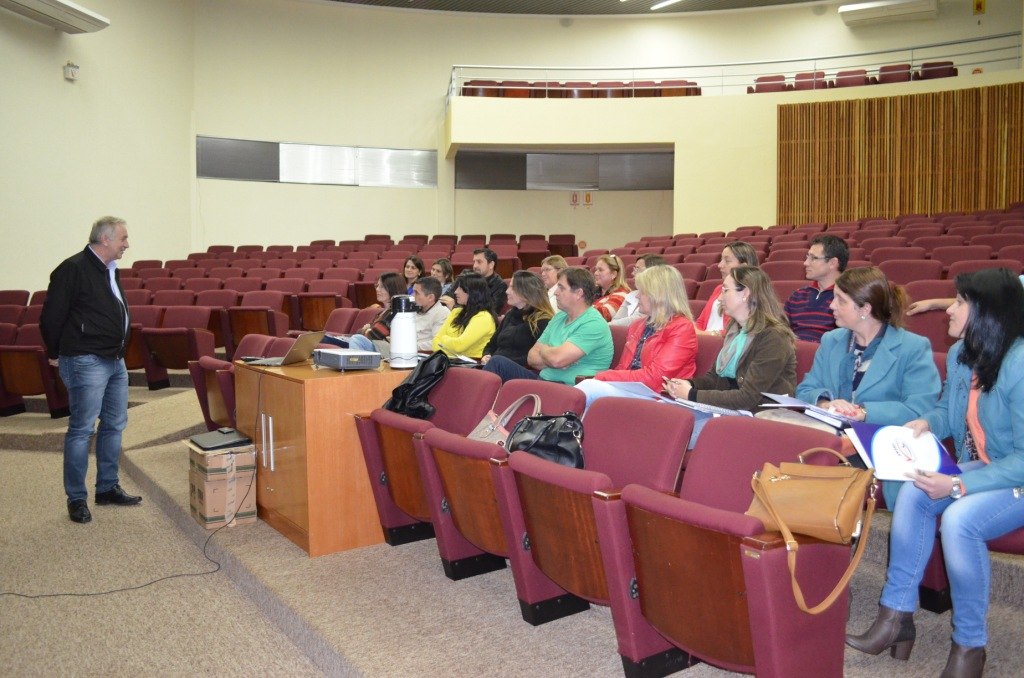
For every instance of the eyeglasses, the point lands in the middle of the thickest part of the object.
(811, 257)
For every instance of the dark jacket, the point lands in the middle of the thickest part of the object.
(514, 339)
(499, 292)
(81, 315)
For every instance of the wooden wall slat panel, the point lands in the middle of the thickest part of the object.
(937, 152)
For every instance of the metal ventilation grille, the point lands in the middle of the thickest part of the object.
(572, 7)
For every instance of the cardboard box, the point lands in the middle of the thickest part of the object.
(222, 486)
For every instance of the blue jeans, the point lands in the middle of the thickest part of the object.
(967, 524)
(508, 369)
(97, 389)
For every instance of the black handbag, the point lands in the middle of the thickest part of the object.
(410, 397)
(557, 438)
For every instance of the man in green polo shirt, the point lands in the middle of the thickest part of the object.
(576, 342)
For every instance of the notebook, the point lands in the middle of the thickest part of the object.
(300, 351)
(219, 439)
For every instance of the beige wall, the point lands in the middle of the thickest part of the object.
(117, 141)
(121, 139)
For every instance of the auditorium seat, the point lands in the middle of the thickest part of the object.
(578, 90)
(784, 270)
(880, 254)
(480, 88)
(457, 473)
(935, 69)
(214, 382)
(903, 271)
(139, 297)
(341, 320)
(173, 298)
(930, 242)
(567, 524)
(15, 297)
(243, 285)
(812, 80)
(202, 284)
(388, 442)
(680, 88)
(258, 313)
(181, 337)
(784, 288)
(768, 83)
(971, 265)
(25, 371)
(851, 78)
(890, 73)
(312, 308)
(711, 580)
(950, 255)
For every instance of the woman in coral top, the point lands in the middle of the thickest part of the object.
(662, 344)
(713, 320)
(610, 274)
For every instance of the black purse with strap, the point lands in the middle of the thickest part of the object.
(557, 438)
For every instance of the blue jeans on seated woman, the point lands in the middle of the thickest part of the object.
(967, 523)
(97, 389)
(508, 369)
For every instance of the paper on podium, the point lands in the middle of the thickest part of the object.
(893, 451)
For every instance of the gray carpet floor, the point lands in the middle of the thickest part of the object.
(375, 611)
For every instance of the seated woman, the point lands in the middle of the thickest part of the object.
(870, 368)
(662, 343)
(412, 270)
(445, 274)
(471, 323)
(524, 322)
(610, 274)
(758, 353)
(549, 269)
(981, 409)
(388, 285)
(712, 320)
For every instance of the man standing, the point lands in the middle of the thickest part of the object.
(808, 308)
(577, 341)
(84, 323)
(484, 261)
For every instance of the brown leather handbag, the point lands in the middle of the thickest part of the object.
(825, 502)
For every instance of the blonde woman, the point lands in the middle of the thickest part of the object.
(549, 269)
(610, 274)
(662, 343)
(758, 354)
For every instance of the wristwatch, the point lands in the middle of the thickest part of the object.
(958, 489)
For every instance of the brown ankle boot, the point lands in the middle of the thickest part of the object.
(965, 662)
(892, 629)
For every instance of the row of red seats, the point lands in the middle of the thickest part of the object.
(855, 77)
(580, 89)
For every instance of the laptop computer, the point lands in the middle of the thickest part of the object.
(300, 351)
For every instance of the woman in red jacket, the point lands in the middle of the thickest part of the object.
(664, 344)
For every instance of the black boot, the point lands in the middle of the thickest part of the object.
(965, 662)
(892, 629)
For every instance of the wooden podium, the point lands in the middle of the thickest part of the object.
(311, 480)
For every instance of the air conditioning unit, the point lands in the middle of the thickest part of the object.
(884, 11)
(61, 14)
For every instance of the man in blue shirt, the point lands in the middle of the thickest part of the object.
(808, 308)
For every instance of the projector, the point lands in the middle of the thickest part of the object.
(346, 359)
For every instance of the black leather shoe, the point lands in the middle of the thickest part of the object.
(79, 511)
(116, 495)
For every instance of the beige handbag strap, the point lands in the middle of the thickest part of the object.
(792, 547)
(505, 416)
(843, 461)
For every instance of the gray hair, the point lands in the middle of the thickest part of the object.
(104, 228)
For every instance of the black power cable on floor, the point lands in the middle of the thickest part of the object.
(206, 555)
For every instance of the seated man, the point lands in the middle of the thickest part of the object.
(484, 261)
(429, 318)
(576, 342)
(809, 308)
(630, 309)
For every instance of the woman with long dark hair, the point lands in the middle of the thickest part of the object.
(713, 319)
(981, 410)
(525, 321)
(471, 323)
(444, 273)
(388, 285)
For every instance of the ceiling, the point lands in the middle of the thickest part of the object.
(575, 7)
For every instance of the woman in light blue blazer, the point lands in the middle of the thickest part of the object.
(981, 409)
(870, 368)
